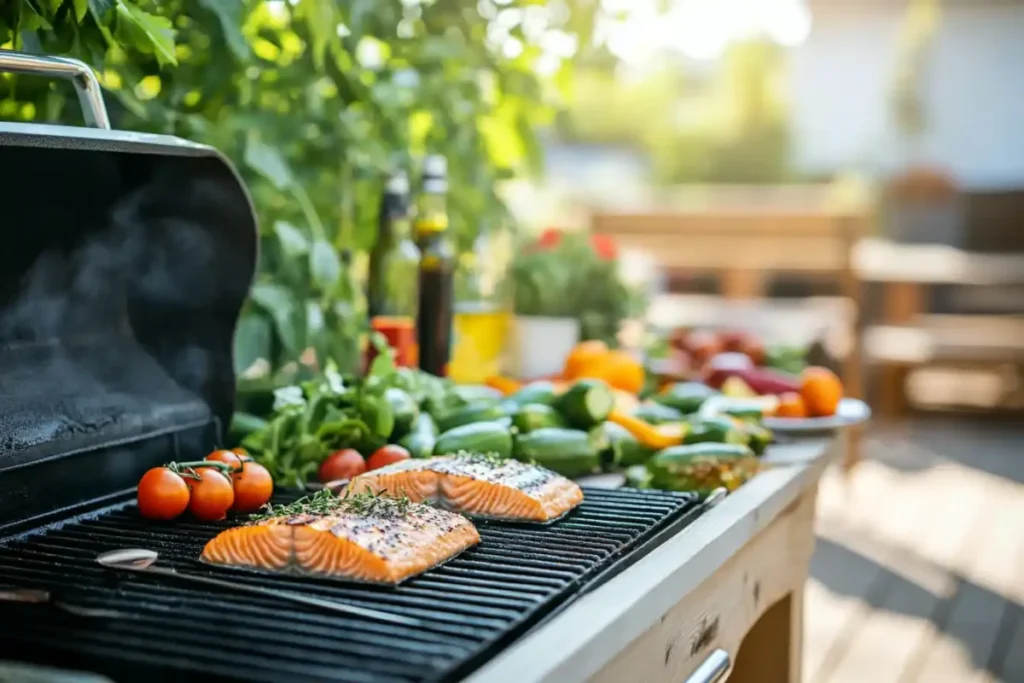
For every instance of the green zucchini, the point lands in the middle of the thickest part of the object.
(569, 452)
(536, 416)
(421, 437)
(656, 414)
(741, 408)
(715, 430)
(475, 393)
(404, 408)
(625, 450)
(476, 437)
(759, 436)
(686, 397)
(702, 467)
(638, 477)
(586, 403)
(535, 392)
(483, 411)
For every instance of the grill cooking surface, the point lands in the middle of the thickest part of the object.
(471, 607)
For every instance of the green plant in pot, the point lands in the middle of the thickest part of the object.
(564, 287)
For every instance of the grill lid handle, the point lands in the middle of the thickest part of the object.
(90, 97)
(711, 669)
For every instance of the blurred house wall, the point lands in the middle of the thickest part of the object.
(974, 91)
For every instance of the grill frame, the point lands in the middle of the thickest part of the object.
(475, 577)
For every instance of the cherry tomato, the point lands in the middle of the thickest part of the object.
(228, 457)
(163, 494)
(212, 494)
(242, 454)
(385, 456)
(253, 487)
(343, 464)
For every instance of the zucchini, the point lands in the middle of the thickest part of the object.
(702, 467)
(404, 408)
(715, 430)
(656, 414)
(586, 403)
(421, 437)
(475, 393)
(759, 436)
(535, 392)
(482, 411)
(569, 452)
(625, 450)
(638, 477)
(476, 437)
(686, 397)
(536, 416)
(748, 409)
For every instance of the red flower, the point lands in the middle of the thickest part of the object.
(605, 247)
(549, 239)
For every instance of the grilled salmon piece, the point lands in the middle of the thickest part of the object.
(379, 546)
(477, 485)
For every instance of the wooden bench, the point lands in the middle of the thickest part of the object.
(909, 338)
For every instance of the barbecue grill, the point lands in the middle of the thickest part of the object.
(128, 258)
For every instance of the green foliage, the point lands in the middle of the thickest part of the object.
(729, 126)
(315, 101)
(564, 275)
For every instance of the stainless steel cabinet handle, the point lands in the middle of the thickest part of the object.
(712, 669)
(90, 97)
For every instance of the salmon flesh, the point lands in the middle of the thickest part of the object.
(507, 490)
(347, 544)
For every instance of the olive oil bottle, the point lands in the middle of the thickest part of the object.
(395, 258)
(436, 272)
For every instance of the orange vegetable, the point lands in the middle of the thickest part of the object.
(617, 368)
(821, 391)
(791, 404)
(648, 434)
(583, 356)
(503, 384)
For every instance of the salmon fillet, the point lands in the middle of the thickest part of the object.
(477, 485)
(380, 545)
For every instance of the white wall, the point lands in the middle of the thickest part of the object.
(974, 92)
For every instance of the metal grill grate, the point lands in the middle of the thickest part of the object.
(471, 607)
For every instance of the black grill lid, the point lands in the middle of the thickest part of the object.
(124, 263)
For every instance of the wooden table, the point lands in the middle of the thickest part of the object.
(732, 582)
(907, 272)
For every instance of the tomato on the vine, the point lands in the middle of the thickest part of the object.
(163, 494)
(226, 457)
(212, 493)
(343, 464)
(242, 454)
(386, 455)
(253, 487)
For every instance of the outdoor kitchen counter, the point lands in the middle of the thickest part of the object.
(731, 581)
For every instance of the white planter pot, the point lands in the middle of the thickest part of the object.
(539, 346)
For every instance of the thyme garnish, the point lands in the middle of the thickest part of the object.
(324, 502)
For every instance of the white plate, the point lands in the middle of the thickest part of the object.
(851, 411)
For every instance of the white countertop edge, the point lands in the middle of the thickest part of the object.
(583, 639)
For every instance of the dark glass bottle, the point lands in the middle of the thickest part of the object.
(394, 259)
(436, 272)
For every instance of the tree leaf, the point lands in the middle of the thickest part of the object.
(293, 242)
(81, 7)
(266, 161)
(147, 32)
(229, 14)
(101, 9)
(278, 302)
(324, 264)
(252, 341)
